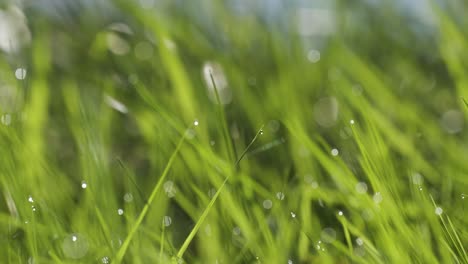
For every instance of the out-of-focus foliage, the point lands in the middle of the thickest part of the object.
(130, 131)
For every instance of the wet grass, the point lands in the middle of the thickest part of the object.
(118, 148)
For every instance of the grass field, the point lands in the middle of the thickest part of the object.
(217, 132)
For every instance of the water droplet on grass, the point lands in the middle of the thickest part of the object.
(293, 215)
(326, 112)
(105, 260)
(334, 152)
(84, 185)
(463, 196)
(267, 204)
(115, 104)
(120, 211)
(211, 192)
(6, 119)
(359, 241)
(75, 246)
(438, 211)
(351, 121)
(190, 133)
(367, 215)
(361, 187)
(377, 198)
(128, 197)
(452, 121)
(215, 70)
(195, 123)
(167, 220)
(30, 199)
(340, 213)
(20, 73)
(290, 261)
(328, 235)
(417, 178)
(359, 251)
(170, 189)
(313, 55)
(280, 196)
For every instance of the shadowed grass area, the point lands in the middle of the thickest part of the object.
(130, 133)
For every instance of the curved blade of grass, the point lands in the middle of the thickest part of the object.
(144, 211)
(222, 116)
(200, 221)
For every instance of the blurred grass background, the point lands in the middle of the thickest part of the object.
(122, 121)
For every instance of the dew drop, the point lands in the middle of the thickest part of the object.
(325, 111)
(167, 221)
(377, 198)
(280, 196)
(105, 260)
(30, 199)
(208, 230)
(75, 246)
(361, 187)
(195, 123)
(463, 196)
(340, 213)
(190, 133)
(351, 121)
(438, 211)
(367, 215)
(261, 131)
(267, 204)
(84, 185)
(6, 119)
(115, 104)
(20, 73)
(170, 189)
(359, 241)
(328, 235)
(128, 197)
(334, 152)
(313, 55)
(290, 261)
(120, 211)
(417, 178)
(211, 192)
(293, 215)
(452, 121)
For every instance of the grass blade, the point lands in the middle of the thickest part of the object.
(200, 221)
(121, 253)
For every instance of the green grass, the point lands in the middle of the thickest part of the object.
(360, 157)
